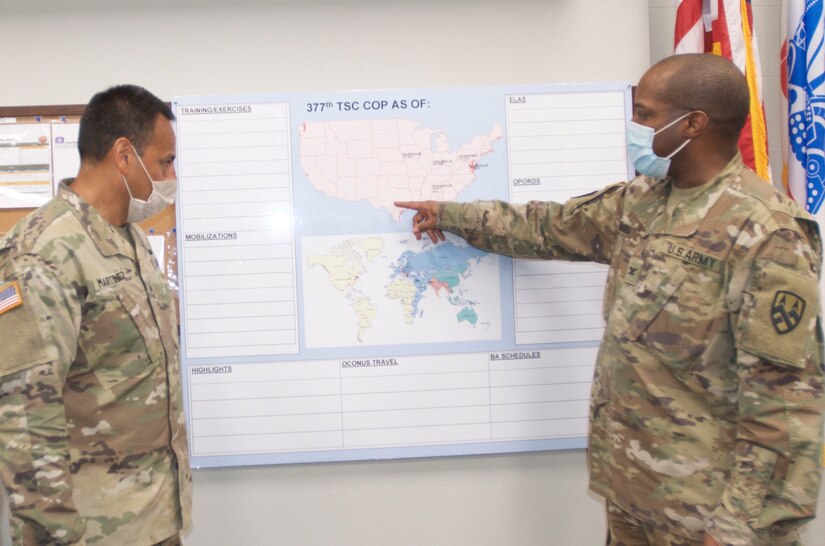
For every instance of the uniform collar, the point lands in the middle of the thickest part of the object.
(649, 210)
(108, 241)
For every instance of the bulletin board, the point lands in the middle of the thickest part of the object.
(162, 225)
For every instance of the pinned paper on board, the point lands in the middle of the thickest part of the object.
(25, 165)
(65, 156)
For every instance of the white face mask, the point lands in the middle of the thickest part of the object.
(640, 149)
(163, 195)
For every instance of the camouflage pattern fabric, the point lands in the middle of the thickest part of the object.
(707, 402)
(92, 430)
(625, 530)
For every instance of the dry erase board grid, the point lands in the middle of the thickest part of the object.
(238, 252)
(561, 145)
(444, 319)
(393, 402)
(565, 144)
(558, 302)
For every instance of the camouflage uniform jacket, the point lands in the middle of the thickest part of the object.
(707, 401)
(93, 435)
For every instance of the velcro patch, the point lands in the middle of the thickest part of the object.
(786, 311)
(10, 296)
(778, 323)
(634, 267)
(689, 255)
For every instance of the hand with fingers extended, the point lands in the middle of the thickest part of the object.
(425, 219)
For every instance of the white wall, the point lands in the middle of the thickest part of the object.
(224, 46)
(525, 499)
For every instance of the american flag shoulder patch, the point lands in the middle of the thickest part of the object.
(9, 296)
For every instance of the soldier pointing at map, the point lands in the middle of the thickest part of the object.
(707, 404)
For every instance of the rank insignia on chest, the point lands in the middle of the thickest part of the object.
(9, 296)
(786, 311)
(634, 267)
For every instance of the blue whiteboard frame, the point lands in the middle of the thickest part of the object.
(470, 110)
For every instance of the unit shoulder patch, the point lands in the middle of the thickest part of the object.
(787, 310)
(779, 317)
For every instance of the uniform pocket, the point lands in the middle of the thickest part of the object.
(752, 473)
(779, 314)
(673, 317)
(115, 340)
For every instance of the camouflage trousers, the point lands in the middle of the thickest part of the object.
(28, 535)
(625, 530)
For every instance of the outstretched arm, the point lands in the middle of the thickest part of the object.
(425, 219)
(583, 228)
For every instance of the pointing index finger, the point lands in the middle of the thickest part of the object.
(414, 205)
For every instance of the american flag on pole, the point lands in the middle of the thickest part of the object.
(803, 90)
(725, 28)
(9, 296)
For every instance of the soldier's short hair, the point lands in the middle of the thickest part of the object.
(126, 111)
(707, 82)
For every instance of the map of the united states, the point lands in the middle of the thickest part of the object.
(382, 161)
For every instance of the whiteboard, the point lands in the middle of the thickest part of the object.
(314, 327)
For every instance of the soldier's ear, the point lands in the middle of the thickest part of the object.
(697, 123)
(122, 154)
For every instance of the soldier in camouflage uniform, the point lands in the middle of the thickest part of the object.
(92, 437)
(707, 405)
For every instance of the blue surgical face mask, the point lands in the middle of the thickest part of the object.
(640, 149)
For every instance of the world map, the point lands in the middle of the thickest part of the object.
(439, 268)
(395, 289)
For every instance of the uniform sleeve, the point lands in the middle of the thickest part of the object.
(40, 339)
(775, 481)
(583, 228)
